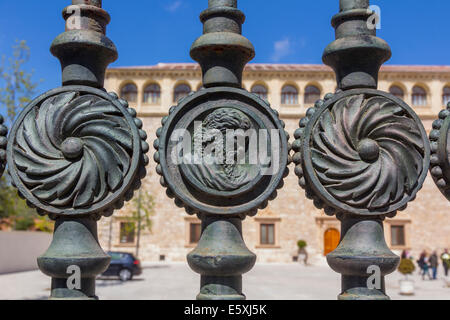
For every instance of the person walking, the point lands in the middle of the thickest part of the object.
(445, 257)
(421, 262)
(424, 262)
(434, 263)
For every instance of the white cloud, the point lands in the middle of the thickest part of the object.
(281, 49)
(174, 6)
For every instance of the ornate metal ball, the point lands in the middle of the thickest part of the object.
(368, 150)
(363, 152)
(76, 151)
(72, 148)
(440, 150)
(222, 151)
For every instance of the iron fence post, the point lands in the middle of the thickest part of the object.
(361, 154)
(76, 153)
(221, 194)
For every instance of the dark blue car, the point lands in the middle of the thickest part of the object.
(123, 265)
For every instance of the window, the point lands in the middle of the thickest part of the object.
(195, 232)
(397, 92)
(129, 92)
(181, 91)
(419, 97)
(398, 236)
(152, 94)
(260, 91)
(446, 96)
(289, 95)
(312, 94)
(267, 232)
(127, 231)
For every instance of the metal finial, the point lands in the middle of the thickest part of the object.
(222, 51)
(221, 194)
(357, 53)
(361, 154)
(84, 152)
(83, 49)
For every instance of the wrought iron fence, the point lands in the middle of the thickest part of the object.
(76, 153)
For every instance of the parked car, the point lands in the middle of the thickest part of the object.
(123, 265)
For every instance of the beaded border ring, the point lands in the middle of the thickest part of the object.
(345, 157)
(76, 151)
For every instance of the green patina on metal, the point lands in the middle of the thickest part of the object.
(221, 194)
(361, 154)
(77, 153)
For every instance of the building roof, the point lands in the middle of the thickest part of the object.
(287, 68)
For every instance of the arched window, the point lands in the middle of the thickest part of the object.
(446, 96)
(312, 94)
(152, 93)
(419, 96)
(260, 91)
(397, 92)
(181, 91)
(129, 92)
(289, 95)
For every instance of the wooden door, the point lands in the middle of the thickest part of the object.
(331, 240)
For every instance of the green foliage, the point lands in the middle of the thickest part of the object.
(16, 91)
(23, 223)
(44, 224)
(301, 244)
(406, 266)
(15, 209)
(142, 210)
(16, 85)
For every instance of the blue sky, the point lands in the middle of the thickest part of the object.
(285, 31)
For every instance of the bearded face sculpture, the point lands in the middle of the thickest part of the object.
(220, 159)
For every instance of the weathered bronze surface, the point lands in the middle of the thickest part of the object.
(440, 150)
(361, 154)
(77, 152)
(198, 176)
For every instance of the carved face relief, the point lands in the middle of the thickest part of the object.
(222, 138)
(365, 153)
(221, 167)
(74, 152)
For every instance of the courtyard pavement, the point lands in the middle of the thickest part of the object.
(175, 281)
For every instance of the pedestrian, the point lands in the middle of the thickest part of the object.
(405, 254)
(434, 263)
(445, 257)
(424, 262)
(421, 262)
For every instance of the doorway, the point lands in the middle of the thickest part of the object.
(331, 240)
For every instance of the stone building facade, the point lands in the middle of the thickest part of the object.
(274, 232)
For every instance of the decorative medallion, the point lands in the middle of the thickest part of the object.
(222, 151)
(3, 144)
(76, 151)
(440, 152)
(362, 152)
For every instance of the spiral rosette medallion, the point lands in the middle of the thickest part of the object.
(363, 152)
(77, 151)
(440, 152)
(193, 152)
